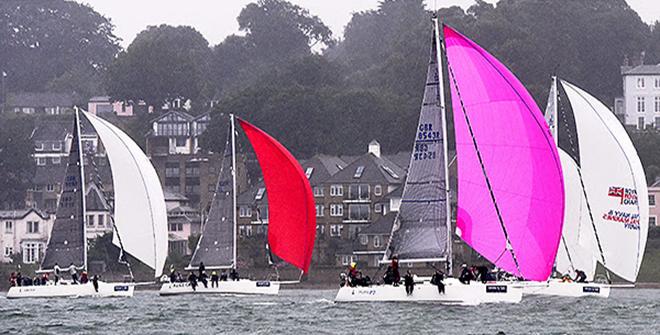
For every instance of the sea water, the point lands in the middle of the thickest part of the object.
(627, 311)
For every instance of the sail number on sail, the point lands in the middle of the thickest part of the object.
(425, 135)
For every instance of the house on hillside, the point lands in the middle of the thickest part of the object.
(639, 107)
(24, 231)
(100, 105)
(39, 103)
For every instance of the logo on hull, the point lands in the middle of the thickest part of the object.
(496, 288)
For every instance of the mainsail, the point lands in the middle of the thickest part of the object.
(216, 245)
(140, 215)
(68, 242)
(421, 230)
(614, 183)
(510, 186)
(291, 212)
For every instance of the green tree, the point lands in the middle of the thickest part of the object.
(162, 64)
(45, 41)
(16, 164)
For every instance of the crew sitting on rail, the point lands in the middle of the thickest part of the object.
(233, 274)
(437, 279)
(466, 275)
(392, 276)
(192, 279)
(84, 279)
(352, 274)
(202, 278)
(223, 275)
(409, 281)
(580, 276)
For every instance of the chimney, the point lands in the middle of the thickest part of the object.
(642, 55)
(626, 61)
(374, 148)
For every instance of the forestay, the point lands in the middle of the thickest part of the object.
(614, 182)
(420, 230)
(510, 187)
(140, 215)
(216, 245)
(67, 242)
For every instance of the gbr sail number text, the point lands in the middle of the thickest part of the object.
(426, 136)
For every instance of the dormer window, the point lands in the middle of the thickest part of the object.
(39, 146)
(641, 83)
(358, 172)
(260, 193)
(390, 171)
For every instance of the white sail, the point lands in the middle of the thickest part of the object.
(577, 249)
(614, 183)
(140, 214)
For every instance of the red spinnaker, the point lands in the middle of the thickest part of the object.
(291, 211)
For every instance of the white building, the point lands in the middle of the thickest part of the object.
(640, 105)
(24, 231)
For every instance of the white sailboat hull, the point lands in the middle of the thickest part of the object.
(239, 287)
(67, 290)
(565, 289)
(456, 293)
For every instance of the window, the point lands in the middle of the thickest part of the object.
(641, 83)
(260, 193)
(56, 160)
(378, 208)
(57, 146)
(241, 230)
(181, 142)
(192, 170)
(641, 105)
(176, 226)
(192, 189)
(364, 239)
(377, 241)
(31, 252)
(336, 190)
(346, 260)
(308, 172)
(8, 251)
(335, 230)
(9, 227)
(41, 161)
(336, 210)
(321, 229)
(358, 172)
(318, 191)
(358, 192)
(245, 212)
(657, 83)
(101, 221)
(656, 104)
(640, 123)
(390, 171)
(50, 188)
(173, 188)
(32, 227)
(248, 231)
(358, 212)
(378, 190)
(651, 199)
(319, 211)
(172, 170)
(39, 146)
(90, 220)
(657, 122)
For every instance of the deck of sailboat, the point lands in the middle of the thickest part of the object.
(238, 287)
(72, 290)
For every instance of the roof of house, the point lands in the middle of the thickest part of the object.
(174, 196)
(401, 158)
(57, 128)
(323, 167)
(34, 99)
(172, 116)
(382, 226)
(640, 69)
(656, 183)
(374, 170)
(94, 200)
(21, 213)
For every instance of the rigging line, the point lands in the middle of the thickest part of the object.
(584, 190)
(483, 169)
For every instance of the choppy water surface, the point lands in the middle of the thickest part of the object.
(313, 311)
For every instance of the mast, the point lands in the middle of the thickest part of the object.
(233, 177)
(554, 93)
(82, 186)
(443, 113)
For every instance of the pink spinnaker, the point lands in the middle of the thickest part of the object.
(519, 159)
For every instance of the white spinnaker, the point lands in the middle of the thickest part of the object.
(140, 213)
(577, 249)
(609, 163)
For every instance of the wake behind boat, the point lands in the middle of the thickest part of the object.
(138, 198)
(509, 183)
(291, 221)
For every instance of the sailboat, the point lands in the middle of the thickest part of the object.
(291, 217)
(510, 188)
(607, 212)
(139, 219)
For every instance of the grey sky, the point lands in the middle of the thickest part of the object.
(216, 19)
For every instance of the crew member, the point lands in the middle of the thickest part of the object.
(233, 274)
(396, 276)
(214, 279)
(84, 279)
(56, 271)
(409, 282)
(192, 279)
(173, 276)
(95, 282)
(352, 274)
(437, 279)
(203, 278)
(73, 272)
(466, 275)
(580, 276)
(202, 268)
